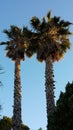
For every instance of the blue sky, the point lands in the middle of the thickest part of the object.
(19, 12)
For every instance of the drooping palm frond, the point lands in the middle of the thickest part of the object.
(13, 32)
(65, 46)
(63, 31)
(4, 43)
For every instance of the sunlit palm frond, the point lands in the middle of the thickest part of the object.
(49, 16)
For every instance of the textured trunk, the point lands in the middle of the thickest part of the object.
(17, 98)
(49, 77)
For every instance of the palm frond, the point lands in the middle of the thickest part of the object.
(64, 31)
(65, 23)
(43, 25)
(65, 45)
(35, 23)
(56, 19)
(7, 32)
(4, 43)
(26, 32)
(49, 15)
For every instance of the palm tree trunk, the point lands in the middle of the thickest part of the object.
(49, 84)
(17, 98)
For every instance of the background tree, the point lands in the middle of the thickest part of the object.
(1, 73)
(40, 128)
(6, 124)
(51, 42)
(0, 85)
(1, 82)
(62, 119)
(16, 47)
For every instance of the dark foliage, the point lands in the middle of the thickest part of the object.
(6, 124)
(62, 119)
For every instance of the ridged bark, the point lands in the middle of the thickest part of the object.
(17, 98)
(49, 88)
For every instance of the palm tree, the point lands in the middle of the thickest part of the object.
(52, 39)
(16, 47)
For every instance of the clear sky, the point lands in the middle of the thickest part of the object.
(19, 12)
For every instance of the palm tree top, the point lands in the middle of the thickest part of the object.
(18, 42)
(53, 36)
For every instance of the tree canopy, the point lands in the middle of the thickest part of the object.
(62, 119)
(52, 37)
(6, 124)
(18, 42)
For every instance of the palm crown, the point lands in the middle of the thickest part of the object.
(19, 41)
(52, 37)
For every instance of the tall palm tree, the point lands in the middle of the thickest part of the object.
(52, 39)
(16, 47)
